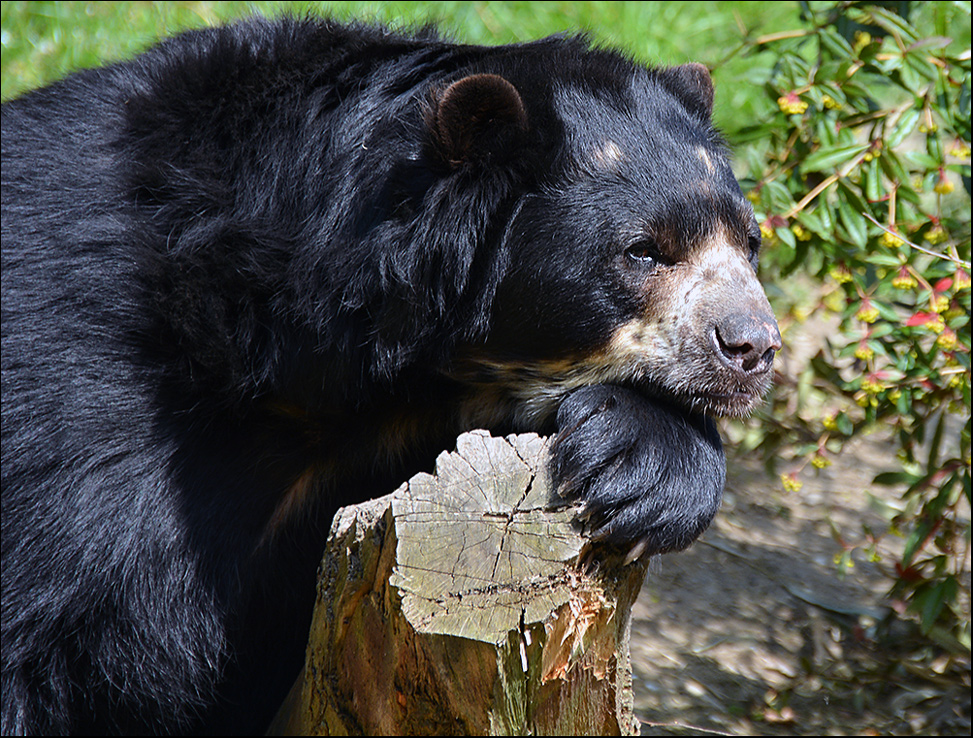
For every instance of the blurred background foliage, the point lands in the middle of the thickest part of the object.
(850, 124)
(861, 181)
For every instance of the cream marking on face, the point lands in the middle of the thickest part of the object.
(724, 266)
(535, 391)
(667, 350)
(704, 157)
(609, 156)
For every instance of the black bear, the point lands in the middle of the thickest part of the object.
(266, 270)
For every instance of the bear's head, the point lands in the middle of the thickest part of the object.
(631, 260)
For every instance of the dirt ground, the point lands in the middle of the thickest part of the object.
(752, 631)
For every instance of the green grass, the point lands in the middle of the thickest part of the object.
(42, 41)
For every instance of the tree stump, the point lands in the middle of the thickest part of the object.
(456, 606)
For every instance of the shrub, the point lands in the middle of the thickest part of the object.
(861, 179)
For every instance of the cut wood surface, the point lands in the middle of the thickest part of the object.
(456, 606)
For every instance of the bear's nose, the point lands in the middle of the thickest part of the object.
(748, 342)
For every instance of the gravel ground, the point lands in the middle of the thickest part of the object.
(753, 632)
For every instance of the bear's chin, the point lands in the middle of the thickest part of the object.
(734, 403)
(728, 405)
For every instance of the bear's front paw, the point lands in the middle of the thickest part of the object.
(650, 475)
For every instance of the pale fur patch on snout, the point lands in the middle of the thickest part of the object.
(667, 350)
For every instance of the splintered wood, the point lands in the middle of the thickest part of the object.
(456, 606)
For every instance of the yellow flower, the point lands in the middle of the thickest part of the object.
(830, 422)
(904, 280)
(961, 280)
(840, 274)
(936, 235)
(800, 232)
(862, 39)
(791, 482)
(863, 352)
(829, 102)
(845, 562)
(890, 240)
(939, 303)
(791, 104)
(872, 386)
(867, 313)
(820, 462)
(960, 149)
(947, 339)
(766, 232)
(944, 185)
(936, 326)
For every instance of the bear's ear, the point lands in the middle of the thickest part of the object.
(692, 84)
(480, 118)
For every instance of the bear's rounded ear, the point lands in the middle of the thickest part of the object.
(479, 118)
(692, 84)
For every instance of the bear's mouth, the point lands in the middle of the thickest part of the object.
(718, 402)
(737, 404)
(529, 393)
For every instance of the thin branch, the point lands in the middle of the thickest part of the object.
(947, 257)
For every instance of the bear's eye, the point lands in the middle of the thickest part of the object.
(754, 247)
(644, 253)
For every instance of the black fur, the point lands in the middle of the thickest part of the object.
(263, 271)
(662, 485)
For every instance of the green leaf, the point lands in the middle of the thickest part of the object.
(893, 23)
(854, 223)
(922, 159)
(777, 197)
(916, 538)
(829, 158)
(886, 311)
(826, 213)
(884, 260)
(907, 77)
(834, 43)
(872, 181)
(937, 439)
(812, 221)
(824, 130)
(909, 195)
(931, 42)
(786, 235)
(922, 67)
(932, 601)
(891, 479)
(859, 94)
(904, 125)
(851, 196)
(893, 167)
(761, 132)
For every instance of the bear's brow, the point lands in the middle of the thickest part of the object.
(679, 237)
